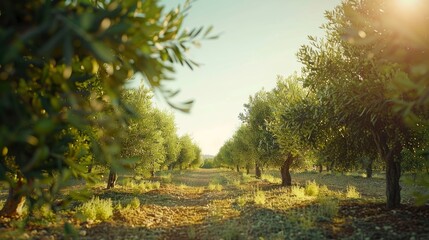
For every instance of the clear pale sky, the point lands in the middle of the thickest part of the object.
(258, 41)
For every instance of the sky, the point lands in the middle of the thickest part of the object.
(258, 42)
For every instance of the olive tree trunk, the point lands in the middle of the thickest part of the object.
(391, 156)
(15, 201)
(111, 181)
(258, 171)
(284, 170)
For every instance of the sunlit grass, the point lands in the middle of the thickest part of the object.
(297, 191)
(270, 178)
(95, 209)
(214, 187)
(311, 188)
(352, 192)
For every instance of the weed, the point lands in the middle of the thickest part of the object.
(241, 201)
(96, 209)
(352, 192)
(166, 177)
(245, 178)
(328, 208)
(236, 183)
(215, 187)
(183, 186)
(192, 233)
(297, 191)
(134, 203)
(311, 188)
(270, 178)
(259, 197)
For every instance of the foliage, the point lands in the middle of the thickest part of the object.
(63, 65)
(259, 197)
(95, 209)
(352, 192)
(214, 187)
(311, 188)
(297, 191)
(134, 203)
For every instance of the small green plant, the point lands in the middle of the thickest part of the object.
(311, 188)
(245, 178)
(166, 178)
(297, 191)
(134, 203)
(352, 192)
(236, 183)
(328, 208)
(241, 201)
(183, 186)
(259, 197)
(270, 178)
(96, 209)
(215, 187)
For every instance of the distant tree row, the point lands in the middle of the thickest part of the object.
(361, 98)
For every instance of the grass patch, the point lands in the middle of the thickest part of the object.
(352, 192)
(297, 191)
(270, 178)
(259, 197)
(96, 209)
(311, 188)
(214, 187)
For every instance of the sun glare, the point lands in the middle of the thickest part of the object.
(408, 3)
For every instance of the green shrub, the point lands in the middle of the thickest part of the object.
(96, 209)
(352, 192)
(135, 203)
(297, 191)
(311, 188)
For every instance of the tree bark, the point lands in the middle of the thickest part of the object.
(152, 173)
(247, 170)
(320, 168)
(111, 182)
(369, 168)
(238, 168)
(284, 170)
(391, 157)
(258, 171)
(90, 168)
(15, 200)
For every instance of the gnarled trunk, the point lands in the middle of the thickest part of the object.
(111, 182)
(258, 171)
(15, 201)
(284, 170)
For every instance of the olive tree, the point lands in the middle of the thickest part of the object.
(51, 54)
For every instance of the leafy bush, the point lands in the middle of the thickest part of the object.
(297, 191)
(311, 188)
(352, 192)
(96, 209)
